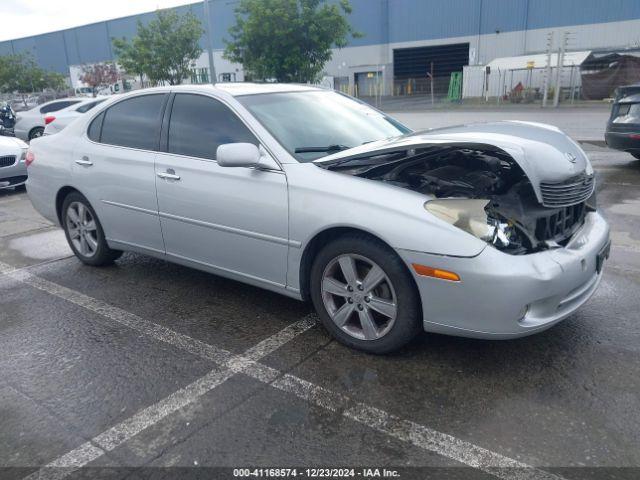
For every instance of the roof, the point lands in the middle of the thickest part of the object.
(538, 60)
(237, 89)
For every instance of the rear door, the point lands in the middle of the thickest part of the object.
(114, 168)
(232, 219)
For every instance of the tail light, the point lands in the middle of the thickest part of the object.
(48, 119)
(29, 158)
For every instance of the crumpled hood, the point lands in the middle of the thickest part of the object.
(544, 152)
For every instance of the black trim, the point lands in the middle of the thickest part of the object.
(164, 127)
(165, 108)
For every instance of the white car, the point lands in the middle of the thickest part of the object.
(13, 170)
(30, 123)
(54, 122)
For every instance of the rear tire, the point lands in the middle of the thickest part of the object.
(365, 295)
(36, 132)
(84, 232)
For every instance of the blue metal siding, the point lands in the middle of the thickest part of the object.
(93, 43)
(381, 21)
(6, 48)
(25, 45)
(50, 52)
(71, 44)
(504, 16)
(222, 14)
(369, 17)
(556, 13)
(411, 20)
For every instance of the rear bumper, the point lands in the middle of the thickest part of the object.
(508, 296)
(621, 141)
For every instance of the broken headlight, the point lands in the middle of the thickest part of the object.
(470, 215)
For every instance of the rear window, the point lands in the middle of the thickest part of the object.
(55, 106)
(134, 122)
(88, 106)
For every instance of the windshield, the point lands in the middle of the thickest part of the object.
(314, 124)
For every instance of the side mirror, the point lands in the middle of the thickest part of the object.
(238, 155)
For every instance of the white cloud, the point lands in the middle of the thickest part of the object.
(23, 18)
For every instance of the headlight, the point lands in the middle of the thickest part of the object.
(470, 215)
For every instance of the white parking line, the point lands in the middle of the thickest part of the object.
(418, 435)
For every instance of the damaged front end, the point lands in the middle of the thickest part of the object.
(482, 190)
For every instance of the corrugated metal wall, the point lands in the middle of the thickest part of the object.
(381, 21)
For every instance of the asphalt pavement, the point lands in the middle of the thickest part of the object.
(146, 369)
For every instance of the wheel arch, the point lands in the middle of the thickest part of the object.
(61, 195)
(320, 239)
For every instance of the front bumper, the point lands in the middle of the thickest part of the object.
(14, 175)
(507, 296)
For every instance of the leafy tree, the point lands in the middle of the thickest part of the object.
(288, 40)
(99, 74)
(163, 50)
(19, 73)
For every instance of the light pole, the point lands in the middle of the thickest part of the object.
(212, 68)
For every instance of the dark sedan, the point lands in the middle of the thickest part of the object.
(623, 128)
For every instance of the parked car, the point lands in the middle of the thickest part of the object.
(13, 170)
(30, 123)
(56, 121)
(83, 92)
(487, 230)
(623, 127)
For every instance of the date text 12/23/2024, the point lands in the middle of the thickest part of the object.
(315, 473)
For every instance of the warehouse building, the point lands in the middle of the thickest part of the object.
(405, 44)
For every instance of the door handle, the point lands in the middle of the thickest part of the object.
(170, 174)
(84, 161)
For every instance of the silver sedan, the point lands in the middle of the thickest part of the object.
(487, 230)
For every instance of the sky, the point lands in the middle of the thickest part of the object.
(23, 18)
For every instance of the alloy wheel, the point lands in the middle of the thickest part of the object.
(82, 229)
(359, 297)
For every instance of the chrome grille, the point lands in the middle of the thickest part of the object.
(7, 161)
(571, 192)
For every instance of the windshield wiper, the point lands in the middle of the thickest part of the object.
(328, 149)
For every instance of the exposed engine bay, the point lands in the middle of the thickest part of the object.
(516, 221)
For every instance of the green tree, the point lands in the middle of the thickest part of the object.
(288, 40)
(163, 50)
(19, 73)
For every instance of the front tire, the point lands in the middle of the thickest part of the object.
(636, 155)
(84, 232)
(364, 294)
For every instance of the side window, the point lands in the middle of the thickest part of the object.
(95, 128)
(134, 122)
(199, 124)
